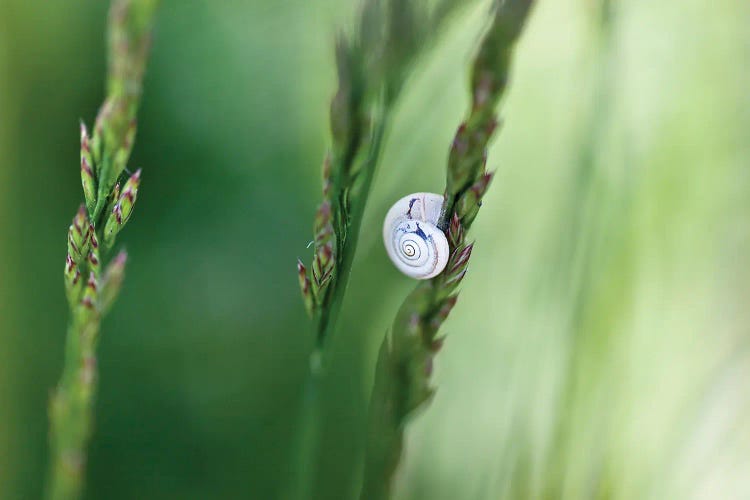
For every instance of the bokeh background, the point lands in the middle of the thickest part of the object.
(601, 345)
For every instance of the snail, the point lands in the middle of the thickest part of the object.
(417, 247)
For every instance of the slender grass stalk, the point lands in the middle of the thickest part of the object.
(91, 288)
(373, 66)
(402, 378)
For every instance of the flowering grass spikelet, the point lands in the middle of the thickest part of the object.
(88, 178)
(122, 209)
(112, 280)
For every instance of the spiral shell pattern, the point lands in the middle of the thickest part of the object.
(411, 236)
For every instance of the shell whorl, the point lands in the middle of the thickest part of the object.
(417, 247)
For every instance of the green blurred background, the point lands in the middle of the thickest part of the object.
(601, 345)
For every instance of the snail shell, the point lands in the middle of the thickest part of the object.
(417, 247)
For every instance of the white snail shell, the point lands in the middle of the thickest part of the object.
(417, 247)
